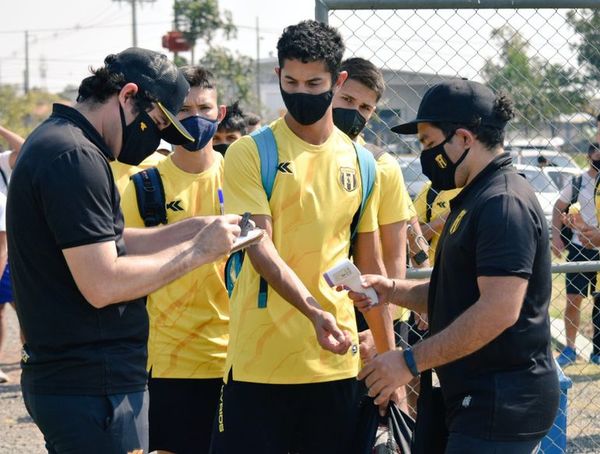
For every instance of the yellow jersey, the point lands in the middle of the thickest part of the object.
(189, 317)
(123, 172)
(394, 199)
(315, 195)
(440, 205)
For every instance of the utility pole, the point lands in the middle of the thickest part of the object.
(134, 17)
(259, 102)
(26, 72)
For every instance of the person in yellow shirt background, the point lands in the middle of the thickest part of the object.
(189, 318)
(293, 357)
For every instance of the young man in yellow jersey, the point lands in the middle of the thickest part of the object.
(292, 362)
(189, 317)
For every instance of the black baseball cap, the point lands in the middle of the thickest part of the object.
(153, 72)
(455, 101)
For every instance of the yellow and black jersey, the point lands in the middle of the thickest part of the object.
(189, 317)
(317, 191)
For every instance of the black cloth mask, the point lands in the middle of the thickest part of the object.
(438, 167)
(140, 139)
(221, 148)
(596, 164)
(349, 121)
(305, 107)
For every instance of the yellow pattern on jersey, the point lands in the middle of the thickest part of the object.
(441, 204)
(123, 172)
(189, 317)
(312, 207)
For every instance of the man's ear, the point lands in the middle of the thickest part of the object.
(222, 113)
(342, 76)
(128, 91)
(278, 71)
(466, 136)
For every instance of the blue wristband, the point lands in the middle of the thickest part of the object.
(410, 362)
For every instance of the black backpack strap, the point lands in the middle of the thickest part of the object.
(575, 187)
(429, 199)
(150, 196)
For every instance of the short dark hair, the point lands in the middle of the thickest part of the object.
(490, 136)
(197, 76)
(366, 73)
(234, 120)
(252, 119)
(311, 41)
(103, 84)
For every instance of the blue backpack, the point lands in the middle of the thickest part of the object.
(267, 151)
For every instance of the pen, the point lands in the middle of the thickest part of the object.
(221, 201)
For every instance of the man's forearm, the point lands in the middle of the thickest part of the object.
(142, 241)
(471, 331)
(411, 294)
(14, 140)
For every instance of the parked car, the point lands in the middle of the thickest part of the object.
(554, 158)
(561, 176)
(545, 189)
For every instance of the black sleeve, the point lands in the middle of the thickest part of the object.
(76, 197)
(507, 237)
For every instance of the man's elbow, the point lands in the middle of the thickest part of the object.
(99, 296)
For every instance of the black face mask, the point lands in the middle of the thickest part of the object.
(438, 167)
(349, 121)
(221, 148)
(596, 164)
(140, 139)
(305, 108)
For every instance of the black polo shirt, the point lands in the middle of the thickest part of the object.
(508, 390)
(62, 194)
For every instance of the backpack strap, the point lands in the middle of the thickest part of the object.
(368, 174)
(150, 194)
(575, 187)
(267, 151)
(429, 199)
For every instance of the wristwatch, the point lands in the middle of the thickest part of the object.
(409, 358)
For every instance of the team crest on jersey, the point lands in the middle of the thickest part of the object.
(456, 223)
(348, 178)
(441, 161)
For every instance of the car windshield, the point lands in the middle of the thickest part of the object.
(539, 181)
(554, 161)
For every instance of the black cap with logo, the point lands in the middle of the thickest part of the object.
(153, 72)
(455, 101)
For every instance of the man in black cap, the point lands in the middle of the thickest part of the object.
(79, 277)
(489, 293)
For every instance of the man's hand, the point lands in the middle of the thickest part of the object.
(422, 321)
(589, 237)
(329, 335)
(366, 346)
(382, 286)
(217, 237)
(384, 374)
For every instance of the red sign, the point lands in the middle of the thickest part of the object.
(175, 42)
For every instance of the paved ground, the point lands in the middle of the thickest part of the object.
(18, 434)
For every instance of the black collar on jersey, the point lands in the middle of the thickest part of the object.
(500, 162)
(75, 117)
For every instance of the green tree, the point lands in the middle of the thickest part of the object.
(587, 24)
(202, 19)
(234, 73)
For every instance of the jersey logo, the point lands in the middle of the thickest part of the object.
(348, 179)
(284, 167)
(442, 204)
(175, 205)
(456, 223)
(143, 126)
(441, 161)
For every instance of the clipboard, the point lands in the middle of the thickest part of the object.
(251, 237)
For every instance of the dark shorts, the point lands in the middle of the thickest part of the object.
(182, 413)
(581, 283)
(6, 295)
(91, 424)
(465, 444)
(312, 418)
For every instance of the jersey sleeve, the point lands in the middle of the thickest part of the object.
(392, 202)
(76, 194)
(507, 237)
(129, 206)
(242, 185)
(566, 193)
(421, 203)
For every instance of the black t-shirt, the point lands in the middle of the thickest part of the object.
(508, 390)
(62, 194)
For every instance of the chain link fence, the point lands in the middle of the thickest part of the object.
(546, 55)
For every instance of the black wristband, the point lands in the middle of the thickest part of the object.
(410, 362)
(420, 257)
